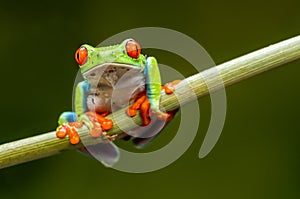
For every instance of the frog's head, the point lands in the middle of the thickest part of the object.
(126, 53)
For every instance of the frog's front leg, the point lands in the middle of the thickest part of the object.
(152, 98)
(69, 121)
(95, 122)
(153, 86)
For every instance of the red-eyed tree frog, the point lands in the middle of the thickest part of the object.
(113, 76)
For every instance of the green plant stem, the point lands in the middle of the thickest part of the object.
(230, 72)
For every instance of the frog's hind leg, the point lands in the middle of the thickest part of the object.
(67, 126)
(147, 136)
(104, 151)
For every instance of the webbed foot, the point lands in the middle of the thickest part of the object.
(70, 130)
(143, 105)
(95, 122)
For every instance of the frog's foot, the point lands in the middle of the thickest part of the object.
(98, 124)
(170, 87)
(70, 130)
(132, 110)
(143, 105)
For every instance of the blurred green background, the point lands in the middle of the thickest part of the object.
(257, 155)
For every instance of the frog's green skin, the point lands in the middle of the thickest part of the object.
(116, 56)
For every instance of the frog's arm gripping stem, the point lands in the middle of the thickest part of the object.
(80, 97)
(153, 83)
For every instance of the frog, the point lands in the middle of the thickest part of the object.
(113, 77)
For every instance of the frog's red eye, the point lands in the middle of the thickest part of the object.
(133, 49)
(81, 55)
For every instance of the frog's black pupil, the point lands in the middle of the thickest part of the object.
(77, 55)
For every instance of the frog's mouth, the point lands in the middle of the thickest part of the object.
(109, 73)
(104, 68)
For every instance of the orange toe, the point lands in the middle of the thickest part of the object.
(170, 87)
(74, 139)
(145, 108)
(73, 135)
(61, 132)
(131, 112)
(169, 90)
(106, 125)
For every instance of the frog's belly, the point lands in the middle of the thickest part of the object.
(115, 91)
